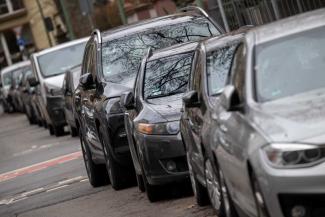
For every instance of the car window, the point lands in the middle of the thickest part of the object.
(58, 61)
(121, 57)
(167, 76)
(290, 65)
(218, 65)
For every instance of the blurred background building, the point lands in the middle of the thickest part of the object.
(30, 25)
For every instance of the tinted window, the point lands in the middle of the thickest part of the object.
(167, 76)
(218, 66)
(57, 62)
(122, 57)
(290, 65)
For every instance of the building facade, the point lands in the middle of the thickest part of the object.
(23, 31)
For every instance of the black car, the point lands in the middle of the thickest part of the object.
(26, 93)
(109, 67)
(70, 83)
(153, 114)
(207, 81)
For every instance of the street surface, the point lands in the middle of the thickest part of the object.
(44, 176)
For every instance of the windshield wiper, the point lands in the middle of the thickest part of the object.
(166, 94)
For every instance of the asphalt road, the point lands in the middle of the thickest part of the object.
(44, 176)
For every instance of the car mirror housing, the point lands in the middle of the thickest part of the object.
(229, 99)
(127, 100)
(33, 81)
(191, 99)
(86, 80)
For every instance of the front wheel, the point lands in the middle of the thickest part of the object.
(200, 192)
(140, 182)
(119, 176)
(97, 174)
(229, 208)
(214, 188)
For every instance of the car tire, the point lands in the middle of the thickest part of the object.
(200, 192)
(73, 131)
(152, 191)
(214, 188)
(51, 130)
(97, 174)
(258, 196)
(229, 208)
(119, 176)
(140, 182)
(58, 131)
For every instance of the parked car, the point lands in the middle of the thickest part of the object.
(210, 74)
(9, 78)
(268, 142)
(152, 118)
(109, 68)
(70, 83)
(49, 66)
(26, 93)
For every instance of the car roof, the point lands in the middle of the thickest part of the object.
(220, 41)
(15, 66)
(176, 49)
(60, 46)
(180, 17)
(288, 26)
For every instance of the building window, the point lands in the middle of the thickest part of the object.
(10, 6)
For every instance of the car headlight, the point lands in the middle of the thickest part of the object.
(293, 155)
(167, 128)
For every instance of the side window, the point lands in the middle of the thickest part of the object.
(218, 64)
(238, 71)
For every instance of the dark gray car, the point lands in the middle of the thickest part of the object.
(153, 114)
(269, 135)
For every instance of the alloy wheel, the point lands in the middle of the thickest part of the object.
(213, 186)
(192, 178)
(225, 195)
(84, 153)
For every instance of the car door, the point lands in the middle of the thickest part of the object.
(195, 122)
(86, 102)
(234, 133)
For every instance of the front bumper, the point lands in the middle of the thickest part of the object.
(284, 189)
(55, 110)
(163, 158)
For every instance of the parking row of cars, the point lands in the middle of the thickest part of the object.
(175, 99)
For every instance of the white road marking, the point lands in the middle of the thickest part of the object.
(57, 188)
(32, 192)
(69, 181)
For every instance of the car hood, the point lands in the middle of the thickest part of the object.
(169, 108)
(55, 81)
(299, 118)
(112, 90)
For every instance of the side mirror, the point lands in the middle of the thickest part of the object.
(86, 80)
(229, 99)
(191, 99)
(33, 82)
(127, 100)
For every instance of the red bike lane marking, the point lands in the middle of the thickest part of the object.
(39, 166)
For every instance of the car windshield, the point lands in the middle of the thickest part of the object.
(290, 65)
(167, 76)
(218, 67)
(122, 57)
(58, 61)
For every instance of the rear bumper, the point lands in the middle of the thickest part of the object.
(55, 110)
(163, 158)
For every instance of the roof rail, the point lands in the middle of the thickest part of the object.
(195, 8)
(97, 33)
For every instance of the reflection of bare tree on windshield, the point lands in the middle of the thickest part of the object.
(123, 56)
(218, 66)
(168, 75)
